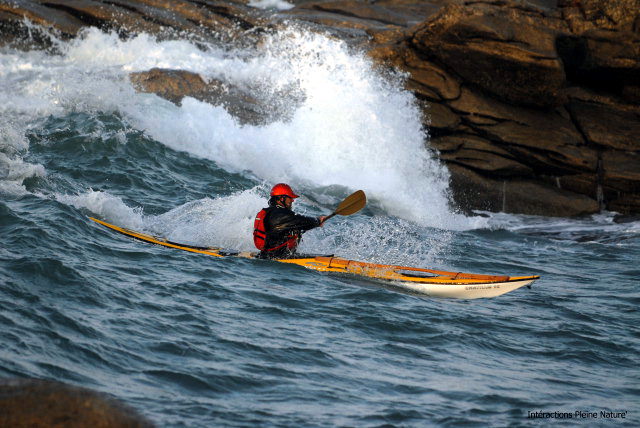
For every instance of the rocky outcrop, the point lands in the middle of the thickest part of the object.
(533, 108)
(534, 105)
(488, 46)
(42, 403)
(258, 109)
(221, 21)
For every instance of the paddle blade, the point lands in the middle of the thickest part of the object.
(352, 204)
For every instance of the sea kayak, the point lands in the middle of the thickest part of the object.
(429, 282)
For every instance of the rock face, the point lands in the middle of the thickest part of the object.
(488, 47)
(537, 104)
(41, 403)
(534, 105)
(174, 85)
(198, 20)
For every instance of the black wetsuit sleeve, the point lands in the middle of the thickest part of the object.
(282, 221)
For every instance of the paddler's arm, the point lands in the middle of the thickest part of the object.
(284, 222)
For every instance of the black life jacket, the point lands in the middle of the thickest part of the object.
(260, 234)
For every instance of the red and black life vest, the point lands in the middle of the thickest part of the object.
(260, 234)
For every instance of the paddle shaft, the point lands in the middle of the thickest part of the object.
(329, 216)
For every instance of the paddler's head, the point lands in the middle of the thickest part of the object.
(282, 195)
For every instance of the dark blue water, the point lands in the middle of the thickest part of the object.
(191, 340)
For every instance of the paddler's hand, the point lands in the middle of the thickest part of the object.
(322, 218)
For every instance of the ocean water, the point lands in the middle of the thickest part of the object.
(190, 340)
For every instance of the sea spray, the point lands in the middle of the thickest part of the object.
(350, 126)
(271, 4)
(13, 172)
(224, 222)
(353, 128)
(227, 221)
(104, 205)
(380, 239)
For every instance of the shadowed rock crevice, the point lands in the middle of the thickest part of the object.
(603, 61)
(101, 21)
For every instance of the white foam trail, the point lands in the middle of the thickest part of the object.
(225, 222)
(221, 222)
(106, 206)
(354, 128)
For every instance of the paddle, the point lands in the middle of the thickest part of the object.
(351, 205)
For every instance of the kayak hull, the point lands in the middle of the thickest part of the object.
(428, 282)
(466, 291)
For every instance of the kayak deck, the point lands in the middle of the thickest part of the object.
(431, 282)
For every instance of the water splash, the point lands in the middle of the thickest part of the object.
(220, 222)
(353, 127)
(106, 206)
(227, 221)
(271, 4)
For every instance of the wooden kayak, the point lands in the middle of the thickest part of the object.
(429, 282)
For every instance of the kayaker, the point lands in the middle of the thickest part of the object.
(277, 229)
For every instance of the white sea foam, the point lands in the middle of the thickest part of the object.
(271, 4)
(105, 205)
(219, 222)
(602, 228)
(353, 128)
(13, 171)
(224, 222)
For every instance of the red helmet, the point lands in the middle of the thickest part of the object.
(282, 189)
